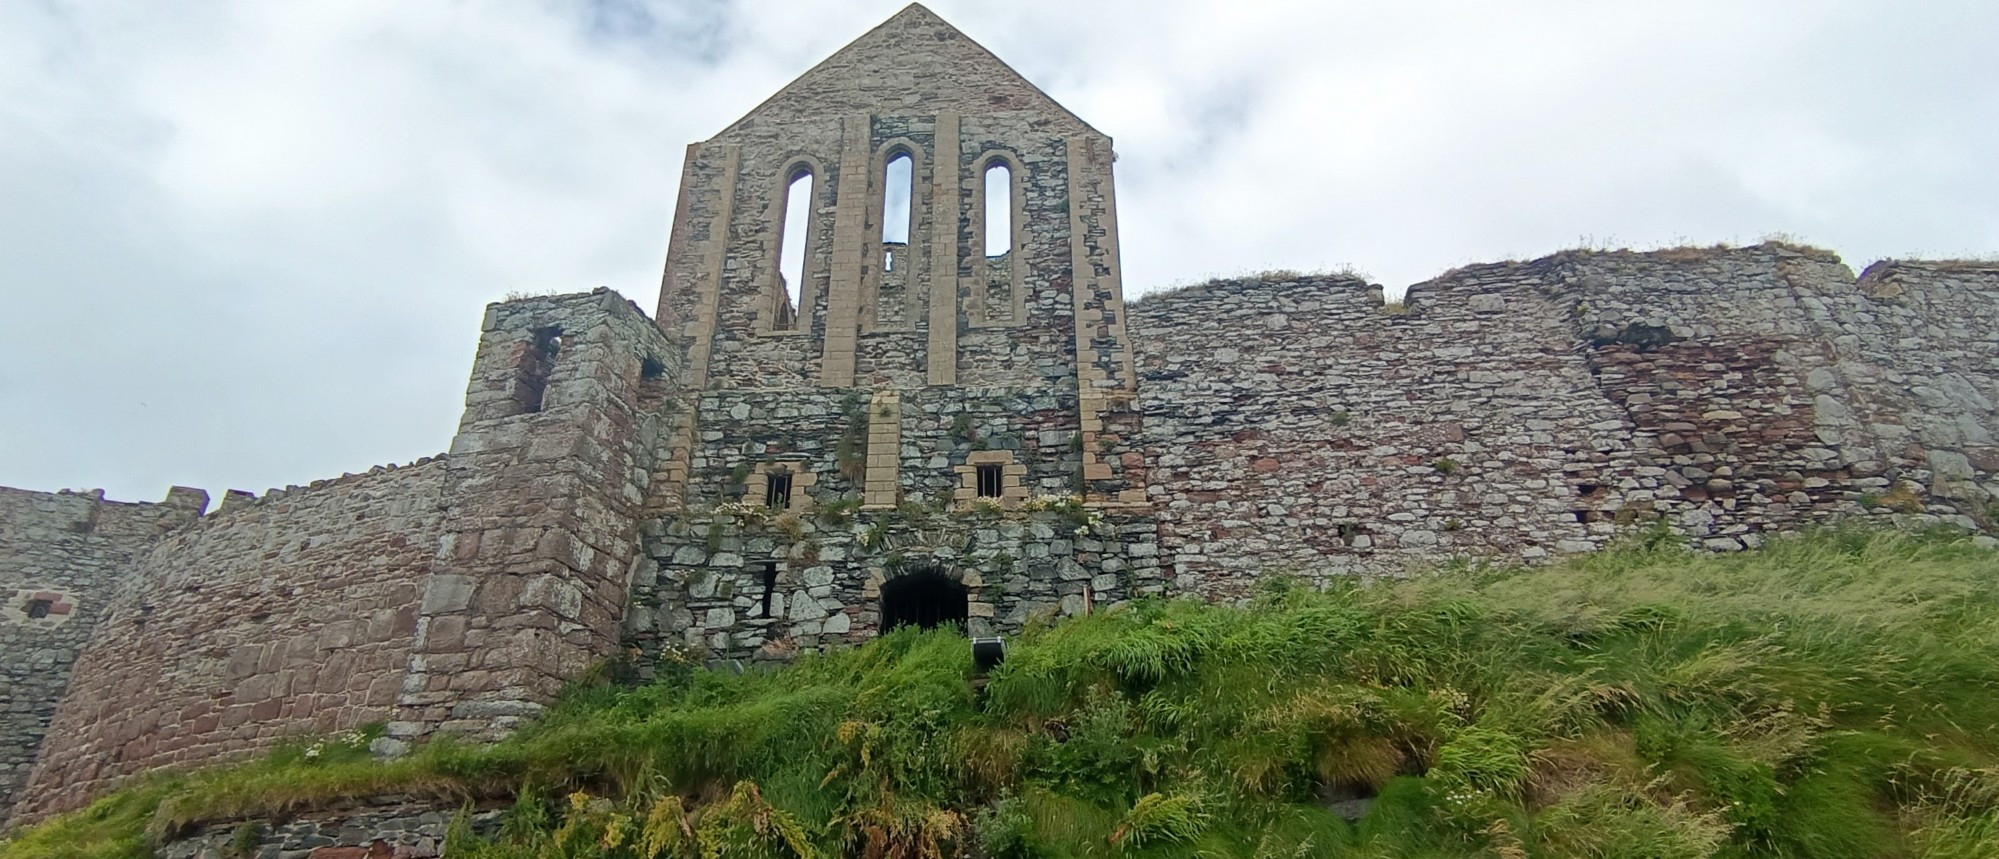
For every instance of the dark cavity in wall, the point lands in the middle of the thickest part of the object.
(537, 362)
(924, 598)
(770, 585)
(1637, 335)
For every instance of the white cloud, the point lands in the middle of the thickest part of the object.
(246, 244)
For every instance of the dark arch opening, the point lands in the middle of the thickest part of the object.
(924, 598)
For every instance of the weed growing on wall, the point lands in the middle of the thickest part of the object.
(1826, 696)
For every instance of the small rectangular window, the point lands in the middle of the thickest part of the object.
(777, 490)
(40, 608)
(990, 481)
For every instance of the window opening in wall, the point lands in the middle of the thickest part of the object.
(652, 369)
(791, 244)
(897, 178)
(777, 490)
(40, 608)
(991, 483)
(770, 585)
(999, 209)
(924, 598)
(537, 362)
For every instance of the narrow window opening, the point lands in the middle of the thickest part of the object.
(770, 585)
(891, 286)
(777, 490)
(537, 363)
(40, 608)
(991, 483)
(1349, 532)
(895, 199)
(791, 246)
(1583, 515)
(652, 369)
(999, 209)
(924, 598)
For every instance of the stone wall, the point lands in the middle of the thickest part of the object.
(282, 615)
(1921, 358)
(409, 829)
(757, 585)
(823, 432)
(1770, 388)
(1297, 425)
(1522, 409)
(823, 557)
(62, 555)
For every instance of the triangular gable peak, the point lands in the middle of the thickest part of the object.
(913, 62)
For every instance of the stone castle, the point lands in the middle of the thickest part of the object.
(892, 379)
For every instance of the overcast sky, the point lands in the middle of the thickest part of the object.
(247, 243)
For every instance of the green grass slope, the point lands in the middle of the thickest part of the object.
(1831, 695)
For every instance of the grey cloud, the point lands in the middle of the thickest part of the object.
(247, 244)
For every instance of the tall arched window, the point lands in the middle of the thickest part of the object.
(998, 296)
(791, 247)
(888, 288)
(896, 185)
(999, 208)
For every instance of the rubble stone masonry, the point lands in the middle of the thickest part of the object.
(283, 615)
(1518, 410)
(62, 555)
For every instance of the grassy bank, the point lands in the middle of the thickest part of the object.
(1826, 696)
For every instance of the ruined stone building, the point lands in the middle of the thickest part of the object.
(893, 379)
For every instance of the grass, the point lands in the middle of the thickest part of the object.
(1830, 695)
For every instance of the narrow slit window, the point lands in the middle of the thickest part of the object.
(40, 608)
(537, 363)
(770, 585)
(991, 482)
(895, 200)
(791, 245)
(777, 490)
(999, 209)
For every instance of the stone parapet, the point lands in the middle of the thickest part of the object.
(273, 617)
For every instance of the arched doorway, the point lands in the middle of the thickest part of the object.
(925, 598)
